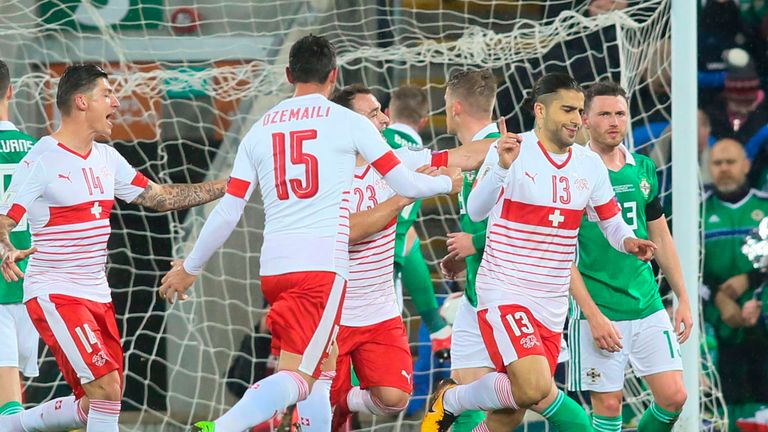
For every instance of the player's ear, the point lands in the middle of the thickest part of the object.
(386, 112)
(80, 102)
(9, 93)
(456, 108)
(423, 122)
(539, 109)
(332, 76)
(288, 74)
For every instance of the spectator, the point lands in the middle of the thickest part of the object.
(741, 111)
(732, 307)
(721, 29)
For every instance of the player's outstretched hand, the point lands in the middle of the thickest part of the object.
(455, 174)
(683, 320)
(508, 145)
(605, 334)
(642, 249)
(11, 270)
(176, 283)
(452, 266)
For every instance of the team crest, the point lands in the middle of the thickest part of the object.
(593, 375)
(758, 215)
(645, 187)
(99, 359)
(529, 342)
(581, 184)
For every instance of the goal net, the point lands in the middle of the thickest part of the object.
(193, 76)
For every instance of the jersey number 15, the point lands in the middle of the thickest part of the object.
(301, 189)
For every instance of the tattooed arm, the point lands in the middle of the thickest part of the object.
(167, 197)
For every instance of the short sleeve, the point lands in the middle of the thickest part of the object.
(129, 183)
(244, 177)
(602, 201)
(27, 185)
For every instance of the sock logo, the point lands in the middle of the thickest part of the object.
(57, 405)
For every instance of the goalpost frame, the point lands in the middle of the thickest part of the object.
(685, 190)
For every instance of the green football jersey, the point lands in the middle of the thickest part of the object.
(725, 227)
(14, 145)
(477, 229)
(396, 139)
(622, 286)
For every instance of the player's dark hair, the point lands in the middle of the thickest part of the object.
(346, 95)
(475, 88)
(603, 88)
(79, 78)
(311, 60)
(5, 78)
(548, 84)
(409, 103)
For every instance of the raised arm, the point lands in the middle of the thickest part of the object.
(493, 175)
(167, 197)
(371, 145)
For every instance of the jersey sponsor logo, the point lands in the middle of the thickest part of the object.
(532, 177)
(593, 375)
(529, 341)
(99, 359)
(617, 189)
(645, 187)
(757, 215)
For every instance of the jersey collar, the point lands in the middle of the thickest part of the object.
(7, 126)
(627, 154)
(411, 132)
(491, 128)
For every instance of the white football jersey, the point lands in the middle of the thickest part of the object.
(302, 154)
(68, 198)
(533, 228)
(370, 296)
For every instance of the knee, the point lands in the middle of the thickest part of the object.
(607, 404)
(107, 388)
(390, 400)
(531, 394)
(673, 401)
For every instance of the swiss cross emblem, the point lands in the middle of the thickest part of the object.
(96, 210)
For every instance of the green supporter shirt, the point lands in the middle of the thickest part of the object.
(14, 145)
(397, 136)
(622, 286)
(725, 227)
(477, 229)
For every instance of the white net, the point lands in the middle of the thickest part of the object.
(193, 75)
